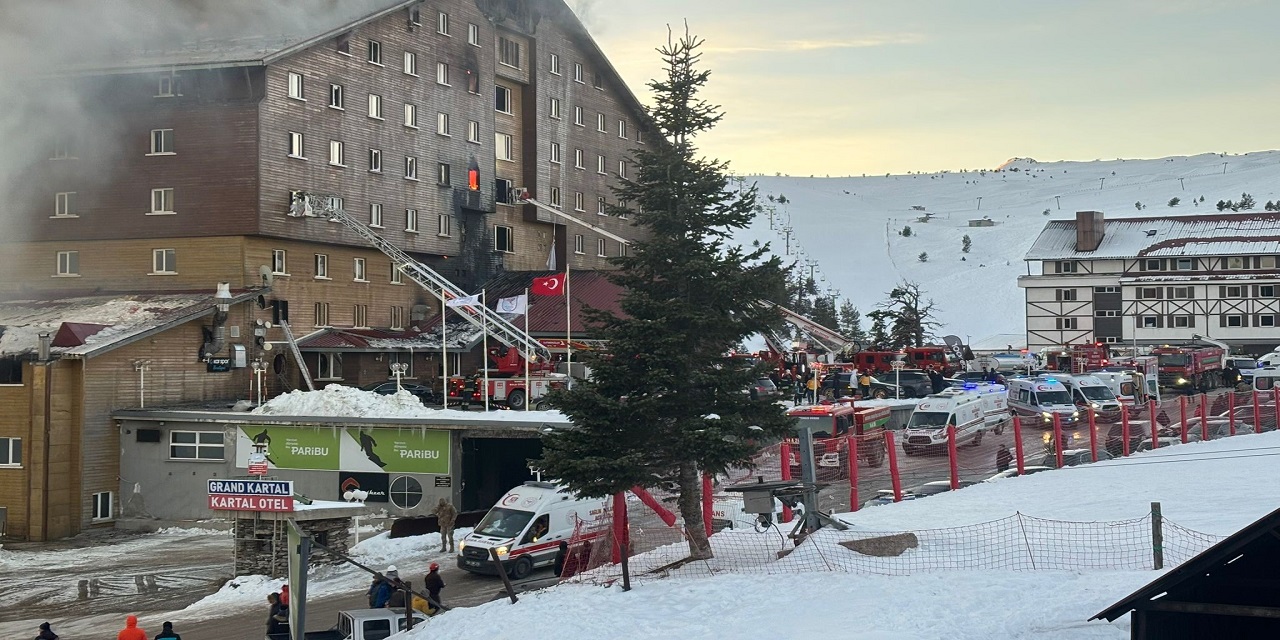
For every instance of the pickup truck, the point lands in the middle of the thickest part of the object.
(361, 624)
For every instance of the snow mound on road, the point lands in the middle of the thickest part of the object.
(337, 400)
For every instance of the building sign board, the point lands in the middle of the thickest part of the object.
(218, 365)
(251, 495)
(323, 448)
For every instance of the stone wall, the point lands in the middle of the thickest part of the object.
(261, 544)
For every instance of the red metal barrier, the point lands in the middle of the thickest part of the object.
(1155, 428)
(1093, 435)
(1057, 438)
(1257, 414)
(1231, 412)
(706, 503)
(893, 466)
(1017, 444)
(1204, 417)
(852, 444)
(1182, 410)
(1275, 399)
(651, 502)
(619, 525)
(951, 453)
(784, 450)
(1124, 433)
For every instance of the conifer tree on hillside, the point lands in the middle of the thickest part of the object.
(909, 315)
(851, 322)
(665, 403)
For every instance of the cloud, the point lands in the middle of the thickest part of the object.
(789, 46)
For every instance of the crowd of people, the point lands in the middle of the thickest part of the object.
(388, 590)
(131, 631)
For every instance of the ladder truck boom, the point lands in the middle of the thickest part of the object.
(830, 340)
(308, 205)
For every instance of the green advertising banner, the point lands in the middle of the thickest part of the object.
(292, 447)
(404, 451)
(347, 449)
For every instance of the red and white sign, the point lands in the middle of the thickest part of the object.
(229, 502)
(257, 468)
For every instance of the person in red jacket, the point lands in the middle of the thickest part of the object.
(131, 630)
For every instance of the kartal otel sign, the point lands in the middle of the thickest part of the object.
(251, 495)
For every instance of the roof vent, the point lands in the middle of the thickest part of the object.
(1151, 232)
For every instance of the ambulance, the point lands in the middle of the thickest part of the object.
(927, 429)
(995, 403)
(1090, 391)
(526, 528)
(1037, 399)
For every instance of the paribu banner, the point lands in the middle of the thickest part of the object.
(346, 449)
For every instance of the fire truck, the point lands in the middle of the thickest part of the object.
(833, 422)
(927, 357)
(1076, 358)
(507, 384)
(1190, 367)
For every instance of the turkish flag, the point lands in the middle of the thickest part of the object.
(548, 286)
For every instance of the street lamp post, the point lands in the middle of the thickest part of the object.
(259, 368)
(398, 369)
(897, 366)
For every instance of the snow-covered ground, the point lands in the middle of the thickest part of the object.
(1213, 487)
(338, 400)
(851, 226)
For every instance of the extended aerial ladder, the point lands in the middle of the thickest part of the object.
(826, 338)
(314, 205)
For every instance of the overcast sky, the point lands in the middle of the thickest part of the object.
(846, 87)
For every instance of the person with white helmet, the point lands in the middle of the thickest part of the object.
(384, 584)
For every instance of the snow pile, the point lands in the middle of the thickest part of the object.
(341, 401)
(23, 320)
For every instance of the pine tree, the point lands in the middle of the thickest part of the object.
(665, 403)
(851, 322)
(879, 335)
(1246, 202)
(923, 257)
(966, 243)
(911, 316)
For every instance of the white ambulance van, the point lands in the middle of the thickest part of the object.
(526, 527)
(1037, 399)
(927, 429)
(1090, 391)
(995, 403)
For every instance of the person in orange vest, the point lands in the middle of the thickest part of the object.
(131, 630)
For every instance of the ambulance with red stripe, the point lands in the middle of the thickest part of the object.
(526, 528)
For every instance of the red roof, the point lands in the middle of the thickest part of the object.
(74, 334)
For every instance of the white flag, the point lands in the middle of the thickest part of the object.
(551, 257)
(464, 301)
(515, 305)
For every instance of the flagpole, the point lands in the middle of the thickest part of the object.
(528, 388)
(484, 360)
(444, 350)
(568, 325)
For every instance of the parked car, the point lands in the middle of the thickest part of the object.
(885, 496)
(1012, 472)
(840, 385)
(1266, 412)
(915, 384)
(426, 394)
(1074, 457)
(976, 376)
(763, 388)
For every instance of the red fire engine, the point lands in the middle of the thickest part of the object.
(506, 381)
(928, 357)
(833, 422)
(1190, 367)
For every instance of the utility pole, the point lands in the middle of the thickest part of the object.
(1184, 187)
(1101, 181)
(1058, 199)
(979, 203)
(786, 231)
(1224, 168)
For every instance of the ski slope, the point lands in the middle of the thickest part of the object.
(850, 226)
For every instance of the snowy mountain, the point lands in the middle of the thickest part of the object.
(852, 226)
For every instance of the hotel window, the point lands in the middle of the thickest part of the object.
(375, 215)
(444, 174)
(375, 52)
(600, 166)
(11, 452)
(1183, 293)
(503, 146)
(322, 266)
(161, 142)
(600, 122)
(442, 74)
(1149, 293)
(597, 80)
(1266, 321)
(322, 314)
(164, 261)
(167, 87)
(162, 200)
(411, 63)
(473, 131)
(410, 168)
(1068, 266)
(279, 262)
(1236, 263)
(577, 72)
(577, 159)
(360, 315)
(622, 168)
(622, 249)
(1181, 322)
(554, 111)
(397, 276)
(555, 64)
(68, 263)
(411, 115)
(442, 124)
(411, 220)
(639, 136)
(375, 106)
(1233, 321)
(444, 225)
(473, 82)
(1151, 265)
(336, 157)
(1267, 291)
(600, 205)
(330, 363)
(503, 239)
(1267, 262)
(622, 129)
(502, 191)
(502, 100)
(555, 197)
(442, 24)
(1106, 289)
(343, 44)
(397, 318)
(1232, 292)
(577, 116)
(579, 244)
(1065, 295)
(375, 160)
(296, 146)
(579, 202)
(295, 86)
(555, 152)
(102, 505)
(1149, 322)
(1184, 264)
(1066, 324)
(508, 52)
(600, 248)
(1106, 313)
(473, 34)
(196, 445)
(337, 99)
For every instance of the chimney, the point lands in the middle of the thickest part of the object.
(1089, 230)
(46, 342)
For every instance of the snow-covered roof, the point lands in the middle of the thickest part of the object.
(1164, 236)
(92, 324)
